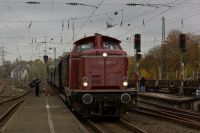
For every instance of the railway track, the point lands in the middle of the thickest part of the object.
(119, 126)
(172, 109)
(5, 99)
(189, 119)
(8, 106)
(2, 86)
(111, 126)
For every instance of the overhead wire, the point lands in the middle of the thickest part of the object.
(12, 10)
(93, 12)
(174, 21)
(9, 28)
(83, 25)
(150, 19)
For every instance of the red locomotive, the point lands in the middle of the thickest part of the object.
(93, 77)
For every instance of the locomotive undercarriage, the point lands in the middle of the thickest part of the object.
(102, 104)
(98, 109)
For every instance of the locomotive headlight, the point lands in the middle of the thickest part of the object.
(85, 84)
(105, 54)
(125, 83)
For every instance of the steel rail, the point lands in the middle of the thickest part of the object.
(95, 126)
(169, 108)
(131, 126)
(165, 113)
(170, 117)
(2, 117)
(178, 112)
(14, 98)
(124, 123)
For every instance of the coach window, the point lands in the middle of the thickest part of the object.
(85, 46)
(110, 45)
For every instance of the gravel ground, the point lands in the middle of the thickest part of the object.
(153, 125)
(10, 91)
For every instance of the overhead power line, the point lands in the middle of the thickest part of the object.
(148, 5)
(177, 20)
(81, 4)
(152, 18)
(33, 3)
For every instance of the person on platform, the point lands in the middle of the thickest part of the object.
(142, 84)
(37, 87)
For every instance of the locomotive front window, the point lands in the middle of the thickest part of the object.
(85, 46)
(110, 45)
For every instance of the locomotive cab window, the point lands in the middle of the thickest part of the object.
(110, 45)
(85, 46)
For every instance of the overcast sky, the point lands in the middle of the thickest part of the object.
(21, 24)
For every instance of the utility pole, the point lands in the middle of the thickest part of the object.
(197, 54)
(45, 42)
(162, 58)
(54, 49)
(45, 60)
(163, 30)
(2, 55)
(45, 57)
(73, 29)
(163, 42)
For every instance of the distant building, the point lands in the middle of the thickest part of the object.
(20, 73)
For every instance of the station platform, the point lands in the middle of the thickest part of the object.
(44, 114)
(181, 102)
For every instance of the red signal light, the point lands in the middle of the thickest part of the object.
(137, 42)
(182, 42)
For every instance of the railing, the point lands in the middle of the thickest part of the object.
(171, 86)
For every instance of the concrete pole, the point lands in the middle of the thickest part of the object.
(54, 49)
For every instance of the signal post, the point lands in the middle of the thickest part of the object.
(137, 49)
(182, 50)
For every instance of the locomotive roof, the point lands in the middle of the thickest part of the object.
(93, 38)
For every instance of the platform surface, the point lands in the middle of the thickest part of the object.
(44, 114)
(169, 97)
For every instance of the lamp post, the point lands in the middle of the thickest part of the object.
(54, 52)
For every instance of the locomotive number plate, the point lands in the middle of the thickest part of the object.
(107, 62)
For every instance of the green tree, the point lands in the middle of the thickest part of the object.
(168, 54)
